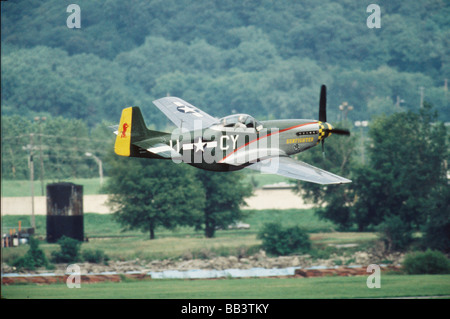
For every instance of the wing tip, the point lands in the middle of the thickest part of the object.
(339, 182)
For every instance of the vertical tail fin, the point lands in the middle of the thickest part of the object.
(131, 129)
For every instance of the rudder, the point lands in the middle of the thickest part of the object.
(131, 129)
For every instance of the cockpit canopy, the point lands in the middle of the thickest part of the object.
(240, 121)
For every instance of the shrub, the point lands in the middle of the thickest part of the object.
(428, 262)
(278, 240)
(34, 257)
(437, 235)
(70, 251)
(396, 233)
(95, 256)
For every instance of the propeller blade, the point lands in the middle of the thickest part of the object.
(339, 131)
(323, 118)
(323, 104)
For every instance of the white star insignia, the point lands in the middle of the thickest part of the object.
(186, 109)
(199, 145)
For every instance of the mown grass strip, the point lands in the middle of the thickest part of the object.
(251, 288)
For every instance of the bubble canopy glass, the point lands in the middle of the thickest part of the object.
(240, 121)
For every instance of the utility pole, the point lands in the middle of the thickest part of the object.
(33, 221)
(41, 175)
(99, 163)
(344, 108)
(30, 148)
(421, 96)
(445, 87)
(362, 124)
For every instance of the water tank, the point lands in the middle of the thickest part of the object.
(64, 211)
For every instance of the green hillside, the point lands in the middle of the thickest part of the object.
(265, 57)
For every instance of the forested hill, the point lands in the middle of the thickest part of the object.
(267, 58)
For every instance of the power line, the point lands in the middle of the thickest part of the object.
(55, 136)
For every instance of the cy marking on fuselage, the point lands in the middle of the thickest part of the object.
(218, 146)
(200, 145)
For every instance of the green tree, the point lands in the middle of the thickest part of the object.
(33, 258)
(436, 230)
(335, 200)
(62, 142)
(395, 233)
(47, 81)
(15, 134)
(69, 250)
(225, 194)
(65, 143)
(406, 168)
(146, 194)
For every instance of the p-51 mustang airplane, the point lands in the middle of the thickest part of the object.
(230, 143)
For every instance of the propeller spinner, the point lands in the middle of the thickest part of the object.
(325, 128)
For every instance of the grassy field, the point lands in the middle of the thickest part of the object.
(252, 288)
(225, 244)
(13, 188)
(105, 234)
(91, 186)
(101, 225)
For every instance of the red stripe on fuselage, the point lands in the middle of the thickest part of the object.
(257, 139)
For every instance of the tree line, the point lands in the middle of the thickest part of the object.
(398, 165)
(261, 57)
(400, 187)
(266, 58)
(58, 147)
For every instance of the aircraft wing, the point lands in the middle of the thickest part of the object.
(183, 114)
(289, 167)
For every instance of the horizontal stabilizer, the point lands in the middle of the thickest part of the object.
(160, 149)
